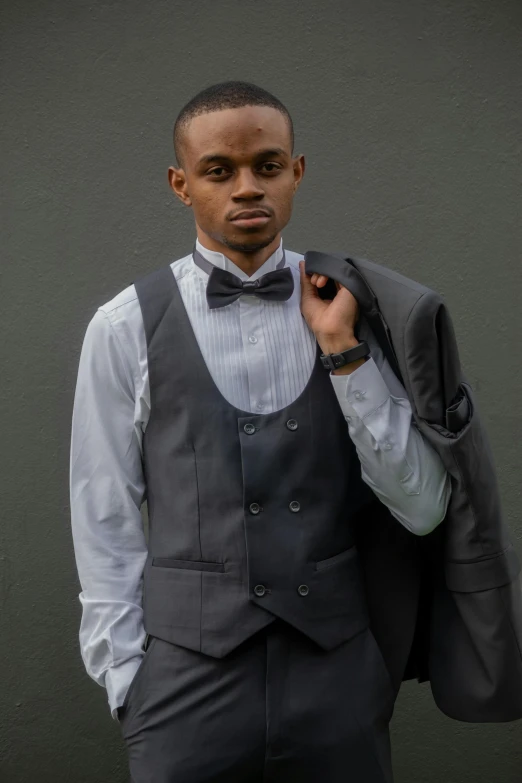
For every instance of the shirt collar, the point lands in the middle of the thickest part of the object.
(220, 260)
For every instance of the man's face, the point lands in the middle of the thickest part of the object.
(239, 176)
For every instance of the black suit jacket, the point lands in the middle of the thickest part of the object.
(448, 606)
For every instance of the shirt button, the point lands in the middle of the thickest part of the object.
(292, 424)
(255, 508)
(294, 505)
(303, 589)
(252, 339)
(260, 406)
(388, 446)
(260, 590)
(359, 395)
(249, 429)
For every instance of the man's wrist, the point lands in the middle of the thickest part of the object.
(339, 345)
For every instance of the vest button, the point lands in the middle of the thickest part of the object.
(249, 429)
(255, 508)
(260, 590)
(303, 589)
(294, 506)
(292, 424)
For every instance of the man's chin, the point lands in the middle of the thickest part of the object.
(248, 244)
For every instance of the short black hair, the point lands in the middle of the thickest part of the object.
(226, 95)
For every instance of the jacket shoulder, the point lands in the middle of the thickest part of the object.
(389, 284)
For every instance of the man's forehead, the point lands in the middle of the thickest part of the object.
(245, 125)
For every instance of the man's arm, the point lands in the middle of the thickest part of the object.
(399, 465)
(106, 492)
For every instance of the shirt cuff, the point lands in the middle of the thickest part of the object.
(361, 392)
(117, 681)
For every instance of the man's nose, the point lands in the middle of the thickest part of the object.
(247, 186)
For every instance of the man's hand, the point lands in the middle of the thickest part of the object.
(331, 320)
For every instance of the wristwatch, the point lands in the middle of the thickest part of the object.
(333, 361)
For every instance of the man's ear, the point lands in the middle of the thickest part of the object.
(178, 183)
(299, 166)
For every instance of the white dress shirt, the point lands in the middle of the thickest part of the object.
(261, 355)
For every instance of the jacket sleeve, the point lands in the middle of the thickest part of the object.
(475, 660)
(446, 412)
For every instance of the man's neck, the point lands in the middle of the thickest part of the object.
(247, 262)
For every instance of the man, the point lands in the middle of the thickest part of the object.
(234, 644)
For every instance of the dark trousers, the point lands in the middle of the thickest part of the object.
(278, 709)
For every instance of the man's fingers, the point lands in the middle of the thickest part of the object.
(307, 287)
(318, 280)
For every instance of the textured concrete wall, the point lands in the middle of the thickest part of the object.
(410, 116)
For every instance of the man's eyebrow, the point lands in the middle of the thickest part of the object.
(221, 158)
(214, 159)
(272, 153)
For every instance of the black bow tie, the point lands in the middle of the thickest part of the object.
(223, 287)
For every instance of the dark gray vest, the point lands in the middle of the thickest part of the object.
(251, 517)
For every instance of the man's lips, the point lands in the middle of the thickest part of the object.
(251, 217)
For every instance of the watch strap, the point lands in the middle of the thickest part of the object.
(333, 361)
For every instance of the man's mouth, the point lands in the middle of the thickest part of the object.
(251, 218)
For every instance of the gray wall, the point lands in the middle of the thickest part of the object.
(410, 116)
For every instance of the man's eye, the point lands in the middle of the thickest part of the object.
(270, 167)
(218, 171)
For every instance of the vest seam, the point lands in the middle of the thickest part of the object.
(200, 608)
(200, 547)
(198, 503)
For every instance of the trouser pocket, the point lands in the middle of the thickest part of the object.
(389, 691)
(133, 692)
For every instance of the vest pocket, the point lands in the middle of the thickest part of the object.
(341, 557)
(189, 565)
(181, 605)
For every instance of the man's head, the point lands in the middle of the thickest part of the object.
(234, 149)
